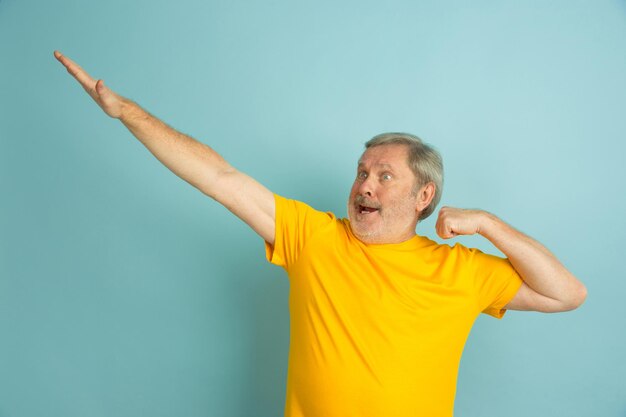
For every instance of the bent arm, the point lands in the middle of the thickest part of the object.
(548, 285)
(193, 161)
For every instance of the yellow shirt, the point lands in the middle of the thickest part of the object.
(377, 330)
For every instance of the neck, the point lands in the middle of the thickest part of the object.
(382, 240)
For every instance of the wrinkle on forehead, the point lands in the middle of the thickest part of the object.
(382, 165)
(384, 154)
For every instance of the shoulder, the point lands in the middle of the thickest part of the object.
(299, 217)
(464, 258)
(289, 205)
(455, 251)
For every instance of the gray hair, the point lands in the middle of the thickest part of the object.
(424, 160)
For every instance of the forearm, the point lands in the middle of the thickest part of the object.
(537, 266)
(191, 160)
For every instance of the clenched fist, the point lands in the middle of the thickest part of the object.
(455, 221)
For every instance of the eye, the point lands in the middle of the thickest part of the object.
(361, 175)
(386, 177)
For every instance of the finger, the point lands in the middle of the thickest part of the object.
(104, 93)
(449, 235)
(109, 101)
(446, 231)
(101, 88)
(440, 226)
(444, 234)
(441, 229)
(76, 71)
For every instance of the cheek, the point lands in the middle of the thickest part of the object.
(353, 190)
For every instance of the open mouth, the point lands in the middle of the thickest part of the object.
(366, 210)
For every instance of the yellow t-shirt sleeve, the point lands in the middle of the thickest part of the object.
(296, 222)
(496, 282)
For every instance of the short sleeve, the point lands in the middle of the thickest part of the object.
(496, 282)
(296, 222)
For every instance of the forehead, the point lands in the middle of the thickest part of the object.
(386, 156)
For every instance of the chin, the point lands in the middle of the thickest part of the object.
(365, 235)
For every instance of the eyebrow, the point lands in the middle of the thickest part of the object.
(384, 166)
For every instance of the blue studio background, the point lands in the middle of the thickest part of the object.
(126, 292)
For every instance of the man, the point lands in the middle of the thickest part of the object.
(379, 314)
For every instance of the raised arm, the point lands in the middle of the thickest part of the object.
(191, 160)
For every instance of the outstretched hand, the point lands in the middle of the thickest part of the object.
(454, 221)
(111, 103)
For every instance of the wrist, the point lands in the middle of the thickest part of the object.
(487, 222)
(129, 111)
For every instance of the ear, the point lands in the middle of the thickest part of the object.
(425, 196)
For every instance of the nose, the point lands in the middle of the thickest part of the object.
(366, 187)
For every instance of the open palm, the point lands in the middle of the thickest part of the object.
(110, 102)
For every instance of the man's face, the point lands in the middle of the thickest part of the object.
(382, 207)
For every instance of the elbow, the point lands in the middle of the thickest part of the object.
(582, 295)
(217, 181)
(577, 299)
